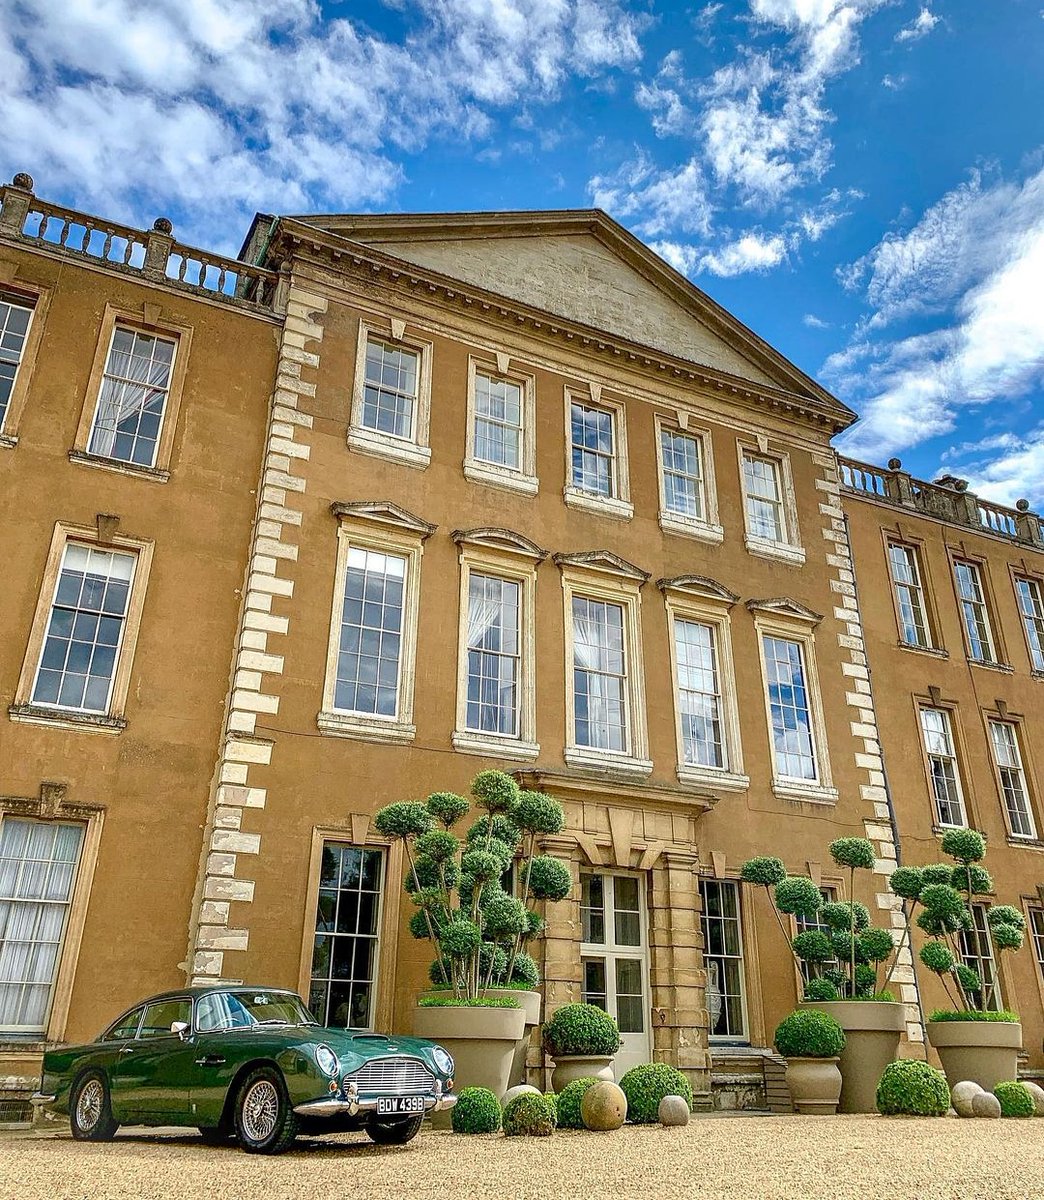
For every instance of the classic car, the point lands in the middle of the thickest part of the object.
(245, 1062)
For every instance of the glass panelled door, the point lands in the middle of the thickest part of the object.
(615, 959)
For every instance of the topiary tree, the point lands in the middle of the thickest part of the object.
(646, 1086)
(529, 1115)
(809, 1033)
(1015, 1098)
(477, 930)
(568, 1103)
(581, 1029)
(477, 1111)
(913, 1089)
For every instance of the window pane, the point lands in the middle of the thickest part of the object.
(593, 450)
(906, 578)
(1032, 608)
(592, 909)
(764, 501)
(599, 675)
(594, 985)
(682, 474)
(133, 397)
(371, 631)
(974, 612)
(14, 328)
(943, 772)
(792, 736)
(498, 421)
(390, 389)
(723, 957)
(699, 697)
(630, 998)
(494, 655)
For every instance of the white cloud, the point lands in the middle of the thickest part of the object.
(919, 27)
(751, 252)
(814, 322)
(895, 83)
(664, 201)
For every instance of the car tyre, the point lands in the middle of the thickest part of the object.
(90, 1109)
(215, 1135)
(265, 1122)
(395, 1132)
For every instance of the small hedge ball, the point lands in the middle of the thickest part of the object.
(569, 1101)
(1015, 1099)
(1037, 1092)
(581, 1029)
(529, 1115)
(764, 871)
(809, 1033)
(646, 1086)
(520, 1089)
(986, 1104)
(673, 1111)
(603, 1107)
(857, 853)
(913, 1089)
(820, 989)
(477, 1111)
(552, 1099)
(962, 1096)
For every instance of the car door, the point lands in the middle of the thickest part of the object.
(118, 1041)
(152, 1071)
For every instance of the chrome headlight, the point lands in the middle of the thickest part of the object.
(327, 1061)
(443, 1061)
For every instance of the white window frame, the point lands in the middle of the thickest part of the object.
(982, 607)
(974, 958)
(1035, 926)
(414, 451)
(523, 478)
(792, 622)
(706, 528)
(604, 578)
(385, 529)
(1032, 623)
(788, 549)
(618, 504)
(705, 602)
(951, 755)
(26, 304)
(504, 555)
(172, 377)
(742, 1036)
(915, 591)
(1018, 771)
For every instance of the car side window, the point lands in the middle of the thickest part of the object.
(126, 1027)
(160, 1015)
(212, 1013)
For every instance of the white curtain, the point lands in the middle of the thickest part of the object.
(587, 641)
(483, 614)
(135, 380)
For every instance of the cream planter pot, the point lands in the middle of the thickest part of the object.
(815, 1085)
(481, 1040)
(580, 1066)
(531, 1004)
(986, 1052)
(872, 1031)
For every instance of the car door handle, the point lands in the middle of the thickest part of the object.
(210, 1060)
(127, 1050)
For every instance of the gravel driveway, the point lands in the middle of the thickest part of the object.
(764, 1158)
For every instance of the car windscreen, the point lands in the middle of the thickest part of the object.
(245, 1010)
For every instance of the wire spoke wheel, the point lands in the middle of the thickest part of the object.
(260, 1110)
(89, 1105)
(90, 1110)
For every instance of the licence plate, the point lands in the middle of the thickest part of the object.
(399, 1104)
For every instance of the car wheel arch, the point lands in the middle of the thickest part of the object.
(234, 1084)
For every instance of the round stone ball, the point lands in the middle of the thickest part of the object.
(673, 1110)
(518, 1090)
(963, 1094)
(1037, 1092)
(604, 1106)
(986, 1104)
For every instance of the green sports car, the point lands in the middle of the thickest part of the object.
(249, 1063)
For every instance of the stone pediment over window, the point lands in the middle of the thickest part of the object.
(783, 606)
(698, 585)
(604, 561)
(385, 514)
(499, 539)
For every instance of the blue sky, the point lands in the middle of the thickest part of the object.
(860, 181)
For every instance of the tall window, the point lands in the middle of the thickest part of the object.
(593, 450)
(683, 485)
(1008, 760)
(723, 958)
(390, 388)
(347, 929)
(943, 770)
(133, 397)
(599, 675)
(85, 629)
(498, 421)
(974, 612)
(494, 654)
(976, 947)
(613, 950)
(14, 329)
(1036, 928)
(371, 633)
(793, 742)
(699, 694)
(803, 924)
(37, 872)
(763, 495)
(909, 594)
(1032, 608)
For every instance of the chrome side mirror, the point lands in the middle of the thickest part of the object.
(181, 1028)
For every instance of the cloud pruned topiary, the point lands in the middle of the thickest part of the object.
(852, 852)
(799, 896)
(764, 871)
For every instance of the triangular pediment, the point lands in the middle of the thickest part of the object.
(783, 606)
(604, 561)
(698, 585)
(383, 512)
(505, 540)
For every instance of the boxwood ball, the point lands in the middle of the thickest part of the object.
(673, 1110)
(604, 1106)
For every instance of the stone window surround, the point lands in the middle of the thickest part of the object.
(524, 479)
(960, 554)
(37, 297)
(897, 536)
(386, 529)
(507, 555)
(414, 451)
(618, 505)
(791, 551)
(148, 320)
(1017, 571)
(600, 575)
(933, 699)
(707, 529)
(1000, 714)
(793, 622)
(695, 598)
(52, 805)
(103, 536)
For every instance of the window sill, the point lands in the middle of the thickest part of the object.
(365, 441)
(603, 762)
(689, 527)
(8, 441)
(780, 551)
(500, 477)
(1033, 843)
(491, 746)
(83, 459)
(809, 793)
(1003, 668)
(365, 729)
(931, 651)
(60, 718)
(709, 777)
(1037, 674)
(602, 506)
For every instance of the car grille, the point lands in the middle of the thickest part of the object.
(392, 1077)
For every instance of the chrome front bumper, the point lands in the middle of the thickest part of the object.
(39, 1100)
(335, 1106)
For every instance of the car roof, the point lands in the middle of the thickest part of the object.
(210, 989)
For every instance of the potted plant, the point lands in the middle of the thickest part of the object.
(845, 965)
(583, 1041)
(477, 929)
(973, 1041)
(812, 1043)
